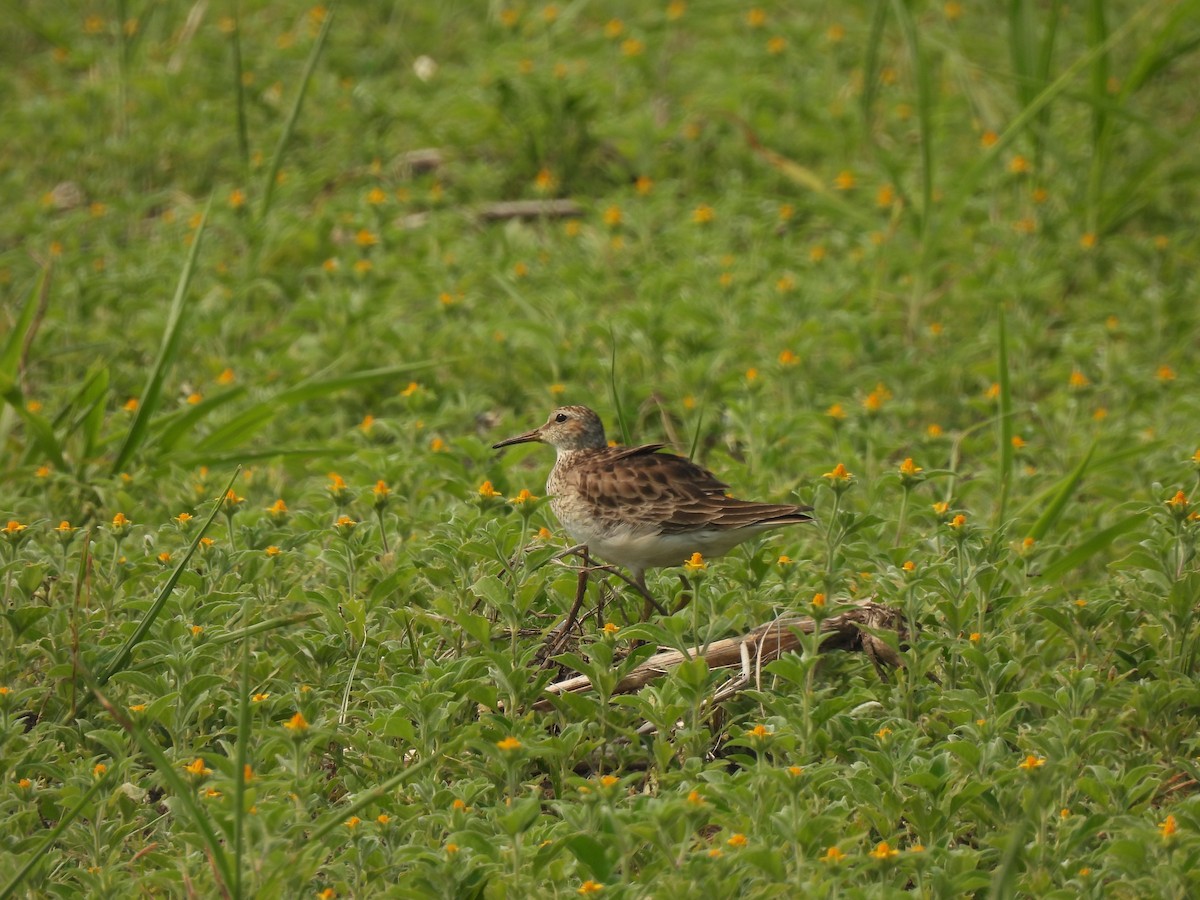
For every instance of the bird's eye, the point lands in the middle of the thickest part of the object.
(561, 417)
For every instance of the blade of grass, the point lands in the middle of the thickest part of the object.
(239, 86)
(872, 65)
(1004, 424)
(289, 126)
(121, 658)
(260, 627)
(13, 354)
(240, 762)
(152, 392)
(184, 793)
(1098, 542)
(183, 423)
(1097, 34)
(920, 66)
(612, 387)
(1051, 514)
(43, 849)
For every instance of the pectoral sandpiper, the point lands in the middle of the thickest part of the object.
(640, 508)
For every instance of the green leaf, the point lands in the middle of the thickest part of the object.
(592, 854)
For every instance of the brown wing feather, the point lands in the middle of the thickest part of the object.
(671, 492)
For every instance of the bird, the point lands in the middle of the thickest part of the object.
(641, 508)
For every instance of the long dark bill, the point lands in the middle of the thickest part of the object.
(527, 437)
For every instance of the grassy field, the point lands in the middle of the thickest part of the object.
(272, 607)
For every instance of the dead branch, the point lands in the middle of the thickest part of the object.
(849, 630)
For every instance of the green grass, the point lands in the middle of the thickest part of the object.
(955, 235)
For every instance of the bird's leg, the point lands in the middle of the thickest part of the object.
(686, 597)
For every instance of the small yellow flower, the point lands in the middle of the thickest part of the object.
(366, 238)
(42, 471)
(14, 527)
(437, 445)
(1018, 442)
(260, 697)
(487, 492)
(24, 784)
(1032, 762)
(975, 637)
(297, 723)
(520, 269)
(695, 798)
(817, 253)
(845, 180)
(1087, 241)
(327, 894)
(884, 851)
(1019, 165)
(759, 731)
(1167, 827)
(934, 430)
(784, 560)
(832, 855)
(795, 771)
(197, 768)
(756, 18)
(958, 522)
(877, 398)
(839, 474)
(197, 630)
(885, 196)
(523, 497)
(165, 557)
(695, 563)
(644, 185)
(352, 822)
(509, 744)
(818, 600)
(835, 33)
(632, 47)
(614, 28)
(1179, 504)
(98, 770)
(1165, 373)
(120, 521)
(909, 566)
(676, 9)
(237, 198)
(376, 196)
(703, 214)
(609, 780)
(590, 887)
(737, 840)
(1078, 380)
(545, 180)
(383, 818)
(138, 707)
(776, 45)
(941, 507)
(459, 805)
(883, 733)
(345, 525)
